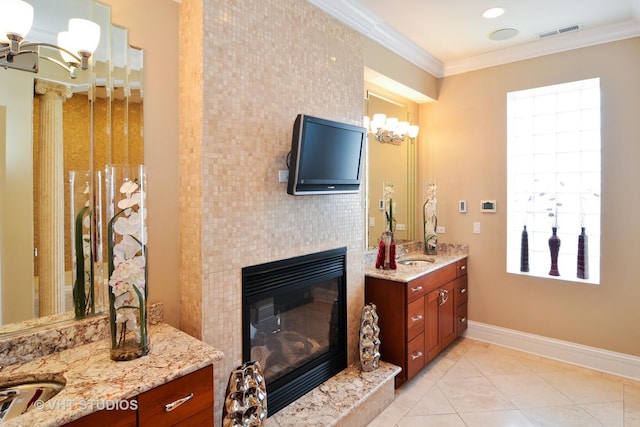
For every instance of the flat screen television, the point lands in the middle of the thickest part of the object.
(326, 157)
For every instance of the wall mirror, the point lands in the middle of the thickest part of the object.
(390, 164)
(57, 134)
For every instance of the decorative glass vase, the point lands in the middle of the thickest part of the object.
(524, 251)
(387, 252)
(81, 243)
(126, 190)
(583, 255)
(554, 248)
(430, 236)
(369, 338)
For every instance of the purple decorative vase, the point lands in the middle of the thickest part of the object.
(524, 251)
(554, 248)
(583, 256)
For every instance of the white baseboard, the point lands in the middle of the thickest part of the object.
(619, 364)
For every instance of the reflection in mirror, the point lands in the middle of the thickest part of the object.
(394, 165)
(56, 137)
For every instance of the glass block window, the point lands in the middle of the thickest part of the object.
(553, 168)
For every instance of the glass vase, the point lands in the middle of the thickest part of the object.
(81, 243)
(430, 236)
(126, 190)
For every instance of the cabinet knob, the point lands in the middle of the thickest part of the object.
(418, 289)
(418, 355)
(417, 318)
(463, 319)
(463, 267)
(173, 405)
(463, 290)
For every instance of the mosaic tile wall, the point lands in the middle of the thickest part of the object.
(263, 63)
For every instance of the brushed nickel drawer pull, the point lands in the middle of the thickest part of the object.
(418, 355)
(417, 318)
(173, 405)
(463, 267)
(463, 290)
(418, 289)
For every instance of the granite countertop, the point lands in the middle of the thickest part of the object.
(94, 380)
(447, 254)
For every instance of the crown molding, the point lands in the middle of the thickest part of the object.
(372, 26)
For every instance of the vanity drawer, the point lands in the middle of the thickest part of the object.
(462, 318)
(462, 290)
(415, 355)
(152, 405)
(461, 268)
(415, 319)
(416, 289)
(440, 277)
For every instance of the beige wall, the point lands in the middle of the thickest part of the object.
(247, 69)
(396, 68)
(153, 26)
(463, 147)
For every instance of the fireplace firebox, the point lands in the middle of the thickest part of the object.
(294, 322)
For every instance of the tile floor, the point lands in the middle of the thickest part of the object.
(475, 384)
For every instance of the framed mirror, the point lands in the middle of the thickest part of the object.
(393, 165)
(57, 134)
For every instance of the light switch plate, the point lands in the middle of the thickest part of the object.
(462, 206)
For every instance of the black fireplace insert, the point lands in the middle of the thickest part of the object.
(294, 322)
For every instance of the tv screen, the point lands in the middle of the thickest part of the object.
(326, 156)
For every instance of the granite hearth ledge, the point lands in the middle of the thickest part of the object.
(447, 254)
(93, 379)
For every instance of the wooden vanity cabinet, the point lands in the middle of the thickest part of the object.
(194, 390)
(420, 318)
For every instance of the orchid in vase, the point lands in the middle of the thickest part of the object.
(430, 220)
(127, 258)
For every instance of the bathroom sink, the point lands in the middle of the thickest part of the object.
(415, 261)
(18, 395)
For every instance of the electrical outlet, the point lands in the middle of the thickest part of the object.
(476, 228)
(372, 221)
(283, 176)
(401, 227)
(440, 229)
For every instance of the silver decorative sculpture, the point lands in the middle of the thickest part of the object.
(369, 338)
(245, 403)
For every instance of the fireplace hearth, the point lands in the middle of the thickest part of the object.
(294, 322)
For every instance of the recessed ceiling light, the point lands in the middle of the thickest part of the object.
(503, 34)
(493, 12)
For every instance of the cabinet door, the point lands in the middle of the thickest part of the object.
(431, 326)
(447, 315)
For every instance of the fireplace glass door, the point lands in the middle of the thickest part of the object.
(295, 325)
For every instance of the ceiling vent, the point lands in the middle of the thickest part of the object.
(563, 30)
